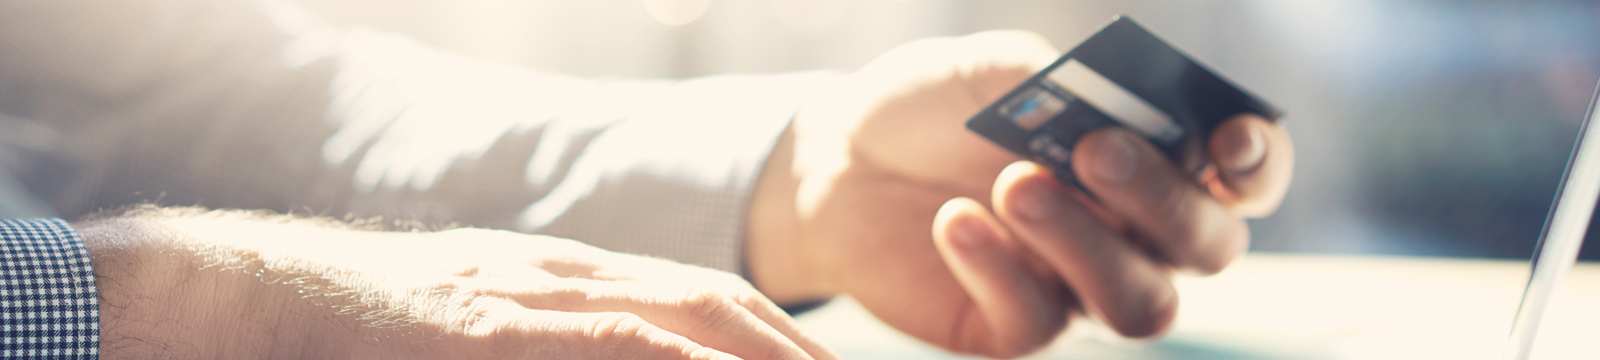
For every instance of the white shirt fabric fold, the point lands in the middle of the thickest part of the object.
(256, 104)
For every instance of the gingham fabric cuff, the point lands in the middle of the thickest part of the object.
(48, 304)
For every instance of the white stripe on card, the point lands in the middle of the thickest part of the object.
(1115, 101)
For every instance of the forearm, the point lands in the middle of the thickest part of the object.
(167, 290)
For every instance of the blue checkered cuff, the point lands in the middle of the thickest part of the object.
(48, 307)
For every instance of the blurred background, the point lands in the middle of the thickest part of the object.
(1432, 128)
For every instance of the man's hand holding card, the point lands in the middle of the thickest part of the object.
(879, 191)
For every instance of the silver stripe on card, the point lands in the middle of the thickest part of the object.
(1115, 101)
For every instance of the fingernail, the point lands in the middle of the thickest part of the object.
(1036, 201)
(1247, 153)
(1115, 159)
(968, 233)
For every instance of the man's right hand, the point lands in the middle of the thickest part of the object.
(879, 191)
(190, 284)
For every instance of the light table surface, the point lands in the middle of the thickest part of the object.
(1284, 306)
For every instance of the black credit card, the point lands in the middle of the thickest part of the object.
(1122, 76)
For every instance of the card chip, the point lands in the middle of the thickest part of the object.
(1033, 108)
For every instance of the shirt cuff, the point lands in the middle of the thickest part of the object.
(49, 308)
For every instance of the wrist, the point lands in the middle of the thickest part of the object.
(779, 263)
(163, 294)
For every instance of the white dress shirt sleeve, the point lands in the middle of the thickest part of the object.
(256, 104)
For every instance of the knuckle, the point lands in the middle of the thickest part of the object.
(476, 315)
(750, 299)
(617, 330)
(709, 310)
